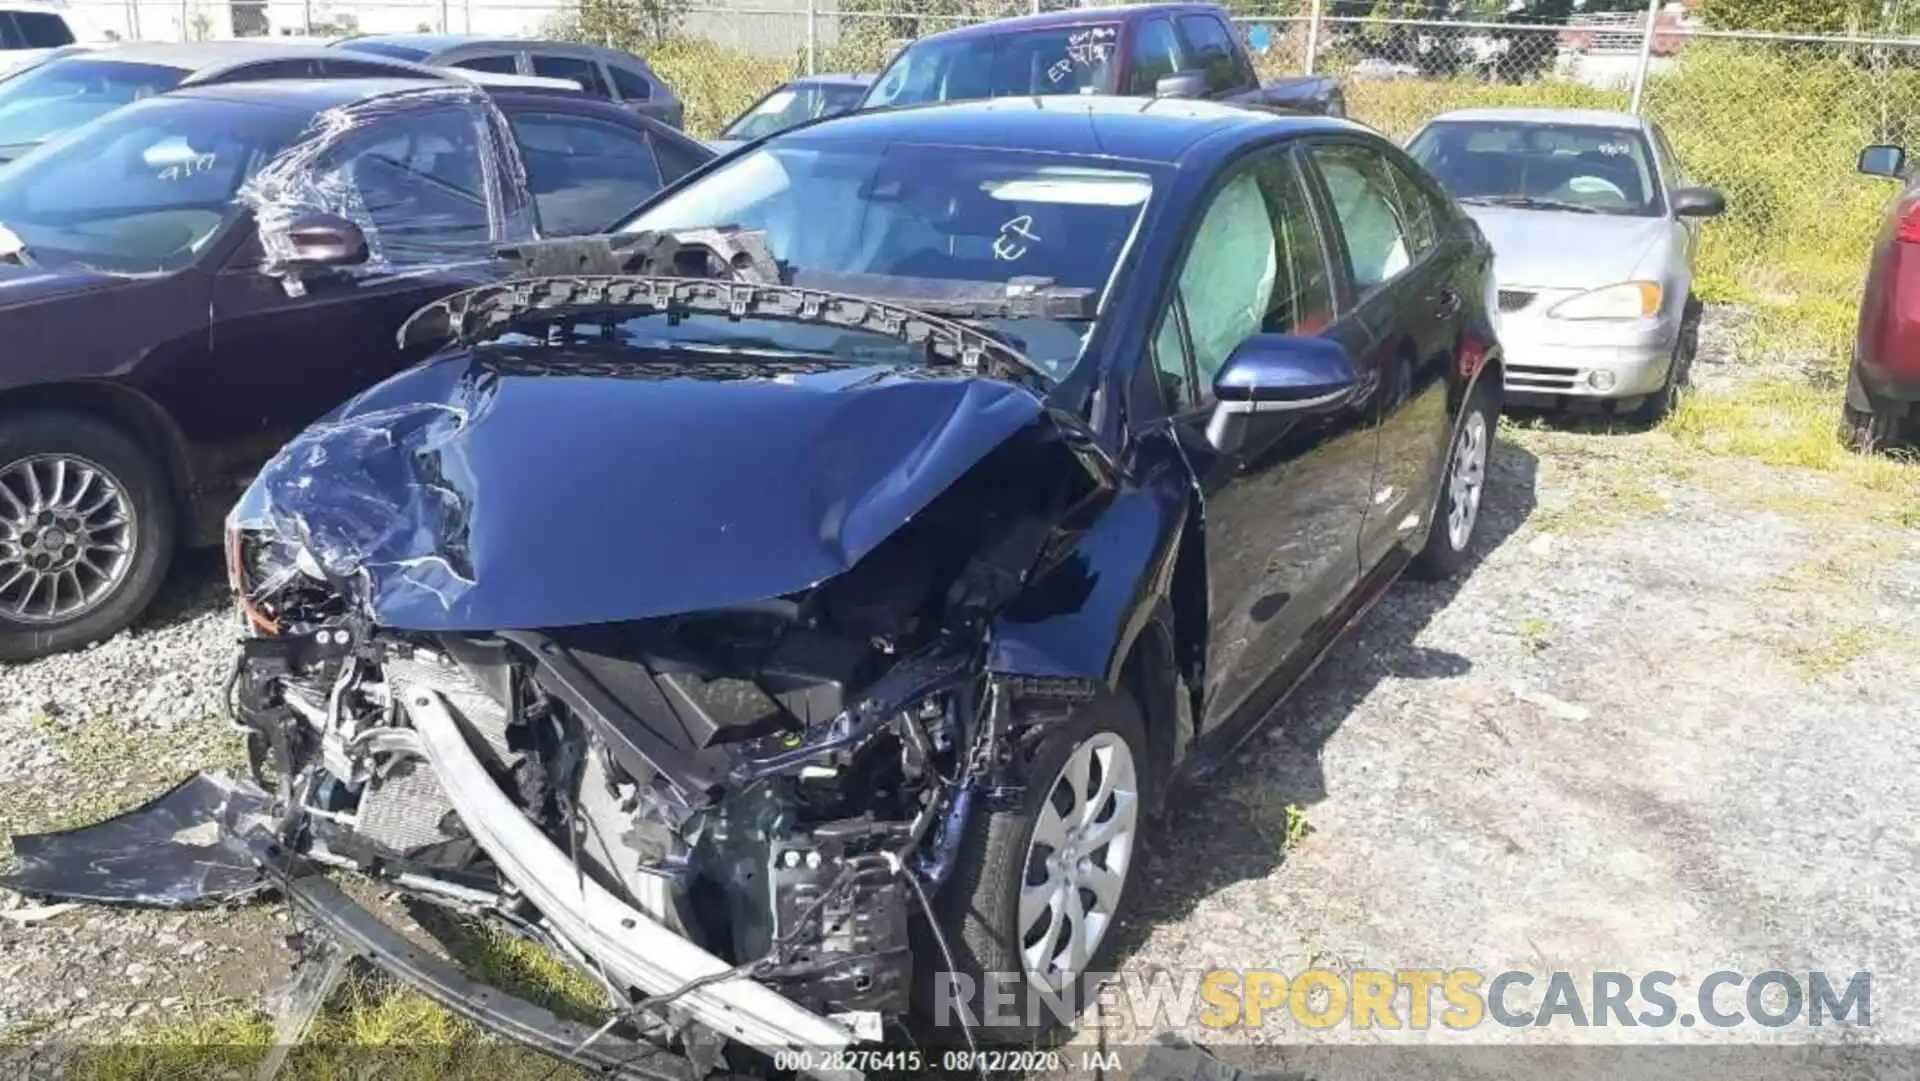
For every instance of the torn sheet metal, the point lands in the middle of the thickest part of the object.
(514, 487)
(439, 191)
(166, 853)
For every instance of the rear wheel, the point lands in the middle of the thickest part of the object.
(1030, 911)
(1866, 423)
(1456, 512)
(86, 533)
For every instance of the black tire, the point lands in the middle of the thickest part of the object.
(145, 486)
(1868, 425)
(1441, 557)
(1661, 403)
(978, 908)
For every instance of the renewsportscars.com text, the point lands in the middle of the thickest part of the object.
(1453, 999)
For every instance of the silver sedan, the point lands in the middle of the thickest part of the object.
(1593, 224)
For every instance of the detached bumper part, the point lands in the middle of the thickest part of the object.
(166, 853)
(362, 933)
(635, 948)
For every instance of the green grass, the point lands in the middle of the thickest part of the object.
(371, 1028)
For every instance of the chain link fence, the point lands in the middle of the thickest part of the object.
(1773, 120)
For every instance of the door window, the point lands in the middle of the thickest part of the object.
(1213, 51)
(632, 85)
(584, 174)
(586, 73)
(420, 181)
(1156, 54)
(498, 64)
(1671, 174)
(1417, 210)
(1368, 211)
(1257, 265)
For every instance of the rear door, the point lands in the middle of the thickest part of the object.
(1410, 308)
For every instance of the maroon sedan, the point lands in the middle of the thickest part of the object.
(192, 278)
(1883, 384)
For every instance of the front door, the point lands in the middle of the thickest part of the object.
(1281, 511)
(421, 185)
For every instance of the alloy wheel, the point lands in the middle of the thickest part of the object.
(1467, 479)
(66, 537)
(1077, 860)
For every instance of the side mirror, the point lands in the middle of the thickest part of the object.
(1270, 374)
(1884, 160)
(320, 241)
(1696, 202)
(1181, 84)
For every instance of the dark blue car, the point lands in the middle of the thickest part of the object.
(863, 542)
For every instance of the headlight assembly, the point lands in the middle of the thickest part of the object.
(1627, 300)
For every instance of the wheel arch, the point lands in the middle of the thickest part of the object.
(127, 410)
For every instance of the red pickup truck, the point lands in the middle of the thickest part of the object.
(1145, 50)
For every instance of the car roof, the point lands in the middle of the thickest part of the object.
(1071, 17)
(432, 44)
(1592, 118)
(204, 56)
(311, 95)
(1154, 130)
(865, 78)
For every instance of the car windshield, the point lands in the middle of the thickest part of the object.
(143, 190)
(792, 105)
(912, 220)
(1054, 60)
(1567, 167)
(63, 94)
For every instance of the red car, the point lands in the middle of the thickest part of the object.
(1883, 383)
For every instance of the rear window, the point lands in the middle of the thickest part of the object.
(1054, 60)
(34, 30)
(386, 49)
(585, 73)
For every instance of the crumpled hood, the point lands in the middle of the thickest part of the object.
(500, 489)
(1540, 249)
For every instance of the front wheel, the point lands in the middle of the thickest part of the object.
(1456, 511)
(86, 533)
(1661, 403)
(1030, 911)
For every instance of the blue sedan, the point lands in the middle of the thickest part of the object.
(891, 513)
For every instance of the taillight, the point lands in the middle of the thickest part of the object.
(1907, 230)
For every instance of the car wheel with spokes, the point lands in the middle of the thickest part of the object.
(86, 532)
(1031, 909)
(1456, 511)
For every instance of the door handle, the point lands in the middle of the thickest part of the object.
(1446, 303)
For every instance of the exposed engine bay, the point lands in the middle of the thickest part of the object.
(782, 783)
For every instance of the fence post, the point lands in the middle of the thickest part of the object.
(813, 34)
(1313, 37)
(186, 32)
(1646, 56)
(1036, 7)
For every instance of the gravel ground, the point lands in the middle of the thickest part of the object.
(1665, 723)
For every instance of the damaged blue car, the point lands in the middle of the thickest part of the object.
(802, 597)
